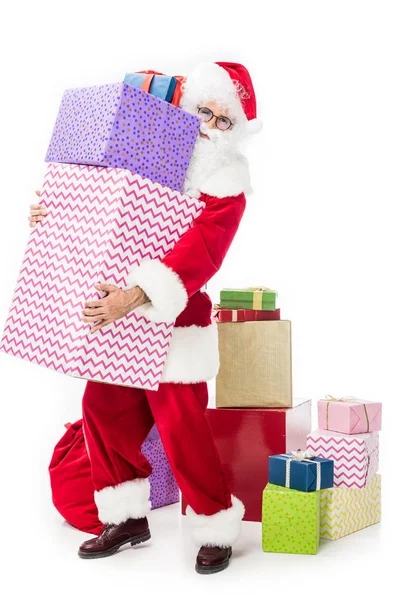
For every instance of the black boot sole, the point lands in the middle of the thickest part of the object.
(137, 539)
(204, 570)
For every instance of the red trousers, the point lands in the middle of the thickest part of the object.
(116, 422)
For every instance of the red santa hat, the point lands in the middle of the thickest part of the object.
(227, 84)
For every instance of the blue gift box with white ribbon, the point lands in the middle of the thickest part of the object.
(301, 471)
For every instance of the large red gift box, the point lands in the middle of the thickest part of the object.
(245, 438)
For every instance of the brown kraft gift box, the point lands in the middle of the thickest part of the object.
(255, 365)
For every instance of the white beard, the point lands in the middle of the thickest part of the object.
(210, 155)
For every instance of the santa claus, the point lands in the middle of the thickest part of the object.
(117, 419)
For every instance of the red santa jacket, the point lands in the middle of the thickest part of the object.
(174, 283)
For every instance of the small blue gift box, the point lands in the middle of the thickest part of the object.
(161, 86)
(301, 471)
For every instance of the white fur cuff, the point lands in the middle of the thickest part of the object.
(164, 288)
(221, 529)
(193, 354)
(127, 500)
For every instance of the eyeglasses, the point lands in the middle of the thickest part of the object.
(223, 123)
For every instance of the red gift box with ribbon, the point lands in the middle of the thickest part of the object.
(228, 315)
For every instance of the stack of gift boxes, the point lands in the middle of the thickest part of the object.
(255, 350)
(255, 415)
(117, 161)
(300, 485)
(348, 433)
(291, 502)
(332, 488)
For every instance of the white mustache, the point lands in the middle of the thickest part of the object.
(203, 127)
(213, 134)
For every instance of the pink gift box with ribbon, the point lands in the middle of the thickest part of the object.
(349, 415)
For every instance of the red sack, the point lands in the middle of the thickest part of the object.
(71, 481)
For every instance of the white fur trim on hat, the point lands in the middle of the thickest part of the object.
(211, 82)
(254, 126)
(127, 500)
(221, 529)
(163, 286)
(193, 355)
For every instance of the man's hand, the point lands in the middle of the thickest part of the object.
(37, 212)
(115, 305)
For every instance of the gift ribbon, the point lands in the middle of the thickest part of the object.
(147, 81)
(176, 98)
(217, 308)
(258, 296)
(328, 399)
(300, 456)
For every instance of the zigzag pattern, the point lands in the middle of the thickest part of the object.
(345, 511)
(116, 176)
(356, 457)
(100, 222)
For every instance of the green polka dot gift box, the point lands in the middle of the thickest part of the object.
(290, 520)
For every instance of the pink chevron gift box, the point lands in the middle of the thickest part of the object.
(349, 415)
(356, 457)
(99, 223)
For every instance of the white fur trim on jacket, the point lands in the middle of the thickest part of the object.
(229, 180)
(193, 355)
(127, 500)
(221, 529)
(164, 288)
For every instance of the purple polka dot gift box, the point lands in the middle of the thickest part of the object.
(163, 487)
(118, 125)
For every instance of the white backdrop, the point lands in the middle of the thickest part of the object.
(321, 228)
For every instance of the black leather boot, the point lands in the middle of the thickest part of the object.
(131, 531)
(212, 559)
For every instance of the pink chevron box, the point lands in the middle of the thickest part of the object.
(100, 222)
(356, 457)
(355, 416)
